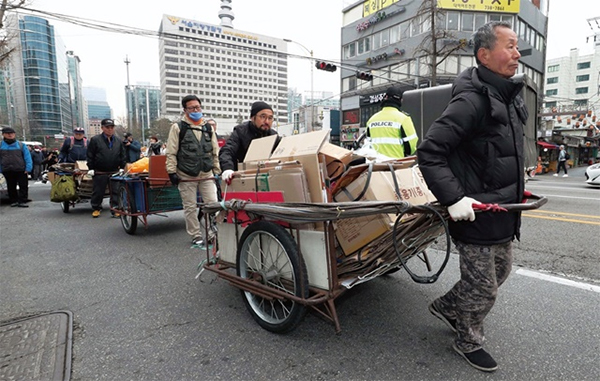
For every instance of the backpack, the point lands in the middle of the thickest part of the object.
(63, 189)
(567, 156)
(73, 143)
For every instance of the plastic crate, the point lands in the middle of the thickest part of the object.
(165, 198)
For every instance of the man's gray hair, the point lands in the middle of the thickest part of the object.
(485, 37)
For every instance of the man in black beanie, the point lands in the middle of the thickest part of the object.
(235, 149)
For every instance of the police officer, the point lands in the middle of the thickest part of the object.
(392, 131)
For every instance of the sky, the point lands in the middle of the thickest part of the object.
(316, 24)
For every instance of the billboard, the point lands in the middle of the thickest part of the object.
(503, 6)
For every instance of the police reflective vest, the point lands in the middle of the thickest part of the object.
(391, 132)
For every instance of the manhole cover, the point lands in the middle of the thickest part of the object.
(37, 347)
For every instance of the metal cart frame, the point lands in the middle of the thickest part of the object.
(270, 260)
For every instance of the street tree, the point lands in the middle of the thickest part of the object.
(160, 128)
(5, 7)
(438, 43)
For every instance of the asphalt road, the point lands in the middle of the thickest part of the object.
(140, 314)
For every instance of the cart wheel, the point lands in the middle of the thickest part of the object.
(269, 255)
(65, 205)
(129, 222)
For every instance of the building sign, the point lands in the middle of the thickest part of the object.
(504, 6)
(177, 21)
(379, 16)
(373, 6)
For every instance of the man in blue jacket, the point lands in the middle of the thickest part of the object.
(15, 164)
(74, 147)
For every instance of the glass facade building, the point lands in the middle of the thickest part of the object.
(143, 107)
(39, 87)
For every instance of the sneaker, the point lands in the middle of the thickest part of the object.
(14, 204)
(198, 241)
(451, 323)
(96, 213)
(555, 175)
(478, 359)
(116, 215)
(565, 175)
(22, 205)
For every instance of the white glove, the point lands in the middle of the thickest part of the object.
(463, 209)
(90, 173)
(227, 174)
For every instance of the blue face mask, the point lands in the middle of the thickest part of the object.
(195, 116)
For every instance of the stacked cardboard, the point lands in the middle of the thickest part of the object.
(378, 185)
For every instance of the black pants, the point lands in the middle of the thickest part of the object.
(99, 184)
(12, 180)
(563, 165)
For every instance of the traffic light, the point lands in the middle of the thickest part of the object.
(321, 65)
(364, 76)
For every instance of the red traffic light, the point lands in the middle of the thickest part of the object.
(364, 76)
(321, 65)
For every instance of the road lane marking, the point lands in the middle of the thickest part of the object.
(573, 197)
(560, 219)
(555, 279)
(562, 213)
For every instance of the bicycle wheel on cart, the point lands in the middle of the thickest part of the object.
(66, 206)
(269, 255)
(128, 221)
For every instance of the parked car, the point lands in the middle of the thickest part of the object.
(592, 175)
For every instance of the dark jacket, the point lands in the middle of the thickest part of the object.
(103, 156)
(475, 149)
(73, 150)
(37, 157)
(235, 148)
(133, 151)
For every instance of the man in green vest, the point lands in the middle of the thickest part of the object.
(391, 131)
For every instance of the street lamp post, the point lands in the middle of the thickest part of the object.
(312, 94)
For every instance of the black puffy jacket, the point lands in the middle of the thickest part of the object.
(235, 149)
(475, 149)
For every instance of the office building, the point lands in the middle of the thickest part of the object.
(227, 69)
(98, 110)
(38, 83)
(78, 103)
(389, 43)
(143, 107)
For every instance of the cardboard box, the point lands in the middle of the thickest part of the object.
(81, 165)
(305, 149)
(157, 170)
(353, 234)
(249, 183)
(259, 151)
(336, 159)
(292, 182)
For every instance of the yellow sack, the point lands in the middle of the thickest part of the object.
(139, 166)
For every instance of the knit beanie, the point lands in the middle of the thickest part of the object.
(259, 106)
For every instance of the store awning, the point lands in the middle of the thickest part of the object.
(547, 145)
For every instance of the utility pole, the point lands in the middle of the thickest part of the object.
(127, 93)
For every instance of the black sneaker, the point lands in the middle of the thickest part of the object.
(14, 204)
(451, 323)
(198, 241)
(478, 359)
(22, 205)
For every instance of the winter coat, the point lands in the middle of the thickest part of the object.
(105, 156)
(475, 149)
(235, 148)
(15, 157)
(133, 151)
(71, 153)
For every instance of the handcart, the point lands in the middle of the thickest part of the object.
(83, 185)
(140, 196)
(283, 256)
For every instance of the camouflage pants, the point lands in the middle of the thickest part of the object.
(482, 270)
